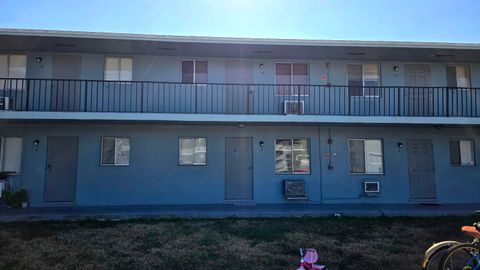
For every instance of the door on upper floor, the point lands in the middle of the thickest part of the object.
(418, 93)
(239, 91)
(66, 87)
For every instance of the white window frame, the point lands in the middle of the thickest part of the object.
(365, 157)
(193, 138)
(115, 153)
(194, 70)
(292, 87)
(291, 156)
(467, 68)
(3, 84)
(119, 67)
(363, 79)
(2, 153)
(472, 149)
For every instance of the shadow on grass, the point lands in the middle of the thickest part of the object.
(255, 243)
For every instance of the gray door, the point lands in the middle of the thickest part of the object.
(419, 95)
(238, 169)
(421, 169)
(61, 168)
(239, 93)
(66, 89)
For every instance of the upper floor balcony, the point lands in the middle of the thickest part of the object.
(100, 96)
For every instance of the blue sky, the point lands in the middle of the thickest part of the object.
(403, 20)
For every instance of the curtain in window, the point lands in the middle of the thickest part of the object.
(283, 156)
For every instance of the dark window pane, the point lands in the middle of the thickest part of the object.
(201, 72)
(451, 76)
(357, 156)
(355, 80)
(187, 71)
(283, 79)
(455, 153)
(108, 151)
(300, 76)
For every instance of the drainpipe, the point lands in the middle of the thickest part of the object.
(320, 163)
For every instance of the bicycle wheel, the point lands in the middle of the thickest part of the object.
(435, 253)
(461, 257)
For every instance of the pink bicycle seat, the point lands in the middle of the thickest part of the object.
(311, 256)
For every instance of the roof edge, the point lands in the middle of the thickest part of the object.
(236, 40)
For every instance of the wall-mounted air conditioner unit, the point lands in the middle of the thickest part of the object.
(5, 103)
(371, 188)
(294, 189)
(293, 107)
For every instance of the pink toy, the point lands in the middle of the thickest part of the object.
(307, 261)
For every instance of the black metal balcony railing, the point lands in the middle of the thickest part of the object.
(216, 98)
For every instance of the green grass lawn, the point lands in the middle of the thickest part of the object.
(259, 243)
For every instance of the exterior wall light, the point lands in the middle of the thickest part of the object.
(262, 145)
(39, 60)
(261, 66)
(400, 145)
(36, 143)
(396, 68)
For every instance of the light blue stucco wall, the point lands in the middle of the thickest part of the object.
(154, 176)
(168, 69)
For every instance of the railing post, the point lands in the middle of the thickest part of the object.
(141, 98)
(27, 102)
(85, 96)
(196, 98)
(447, 106)
(398, 101)
(298, 101)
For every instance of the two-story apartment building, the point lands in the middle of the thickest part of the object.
(120, 119)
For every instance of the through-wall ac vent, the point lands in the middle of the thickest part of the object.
(355, 53)
(64, 45)
(371, 188)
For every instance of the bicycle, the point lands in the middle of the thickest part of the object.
(307, 261)
(435, 253)
(464, 256)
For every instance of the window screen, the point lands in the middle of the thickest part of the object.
(11, 150)
(192, 151)
(118, 69)
(366, 156)
(292, 156)
(194, 71)
(115, 151)
(462, 153)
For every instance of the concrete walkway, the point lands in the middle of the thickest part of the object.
(228, 210)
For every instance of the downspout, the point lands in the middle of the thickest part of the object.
(320, 163)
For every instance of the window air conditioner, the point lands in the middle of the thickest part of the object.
(293, 107)
(5, 103)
